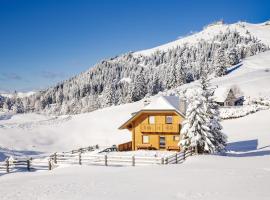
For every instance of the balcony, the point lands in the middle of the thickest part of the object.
(160, 128)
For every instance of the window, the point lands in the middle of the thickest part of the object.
(169, 119)
(162, 142)
(145, 139)
(151, 119)
(176, 138)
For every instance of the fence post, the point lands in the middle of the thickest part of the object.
(184, 154)
(55, 158)
(7, 163)
(196, 150)
(106, 160)
(50, 164)
(162, 161)
(176, 159)
(166, 160)
(133, 160)
(80, 158)
(28, 165)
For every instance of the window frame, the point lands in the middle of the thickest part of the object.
(166, 119)
(162, 146)
(148, 139)
(153, 118)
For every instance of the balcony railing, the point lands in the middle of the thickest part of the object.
(160, 128)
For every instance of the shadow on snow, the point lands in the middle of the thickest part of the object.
(247, 148)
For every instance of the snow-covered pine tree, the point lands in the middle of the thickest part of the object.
(212, 109)
(138, 88)
(220, 62)
(195, 133)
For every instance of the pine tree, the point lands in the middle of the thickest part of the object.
(220, 62)
(212, 109)
(195, 132)
(202, 129)
(138, 87)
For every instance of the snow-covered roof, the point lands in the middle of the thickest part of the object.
(163, 103)
(221, 94)
(159, 103)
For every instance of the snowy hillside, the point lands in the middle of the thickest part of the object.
(34, 132)
(261, 31)
(130, 77)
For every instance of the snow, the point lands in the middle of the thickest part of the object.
(261, 31)
(125, 79)
(243, 174)
(19, 94)
(31, 133)
(252, 78)
(163, 103)
(221, 94)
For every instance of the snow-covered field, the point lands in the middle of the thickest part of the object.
(34, 133)
(243, 174)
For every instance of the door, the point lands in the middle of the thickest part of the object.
(162, 142)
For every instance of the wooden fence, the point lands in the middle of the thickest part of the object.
(83, 156)
(116, 160)
(30, 164)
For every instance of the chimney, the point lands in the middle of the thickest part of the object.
(146, 101)
(183, 106)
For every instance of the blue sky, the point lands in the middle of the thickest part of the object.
(44, 42)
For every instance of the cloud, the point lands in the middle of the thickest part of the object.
(51, 75)
(10, 76)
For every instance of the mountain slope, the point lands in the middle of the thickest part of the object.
(42, 133)
(130, 77)
(261, 31)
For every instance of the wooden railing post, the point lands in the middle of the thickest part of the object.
(55, 158)
(50, 164)
(176, 159)
(106, 160)
(80, 158)
(162, 161)
(133, 160)
(7, 165)
(28, 165)
(184, 154)
(166, 160)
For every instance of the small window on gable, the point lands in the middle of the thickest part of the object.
(169, 119)
(145, 139)
(151, 119)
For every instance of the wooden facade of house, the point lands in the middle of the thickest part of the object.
(157, 129)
